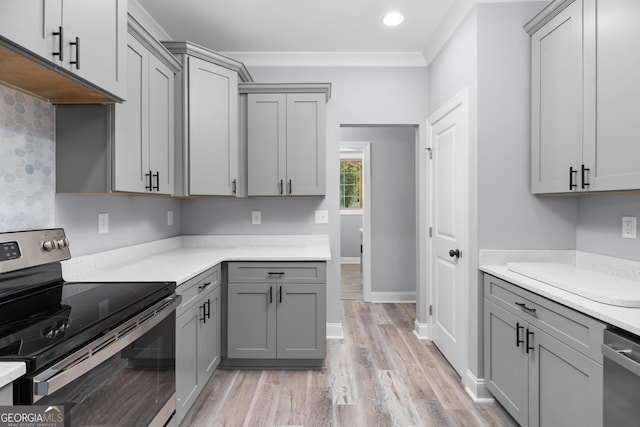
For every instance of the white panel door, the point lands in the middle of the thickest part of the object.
(448, 143)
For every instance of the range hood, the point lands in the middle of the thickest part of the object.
(27, 72)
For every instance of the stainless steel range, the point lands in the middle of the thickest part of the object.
(105, 352)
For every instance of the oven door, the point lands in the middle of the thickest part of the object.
(124, 378)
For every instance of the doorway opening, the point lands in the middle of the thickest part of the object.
(387, 229)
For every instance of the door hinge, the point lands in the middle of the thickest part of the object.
(430, 231)
(430, 152)
(430, 310)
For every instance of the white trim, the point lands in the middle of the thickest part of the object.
(350, 260)
(394, 297)
(365, 147)
(348, 212)
(335, 331)
(329, 59)
(460, 100)
(422, 330)
(477, 388)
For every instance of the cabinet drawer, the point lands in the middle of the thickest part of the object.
(577, 330)
(194, 287)
(277, 272)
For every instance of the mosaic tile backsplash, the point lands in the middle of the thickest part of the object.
(27, 162)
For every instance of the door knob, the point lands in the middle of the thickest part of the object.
(454, 254)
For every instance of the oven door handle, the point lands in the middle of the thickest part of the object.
(619, 357)
(88, 357)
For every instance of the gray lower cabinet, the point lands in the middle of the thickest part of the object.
(276, 310)
(197, 337)
(542, 360)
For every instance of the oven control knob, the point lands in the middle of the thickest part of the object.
(62, 243)
(48, 245)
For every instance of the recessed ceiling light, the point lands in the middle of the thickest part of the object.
(392, 19)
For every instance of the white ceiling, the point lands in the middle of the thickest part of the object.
(336, 26)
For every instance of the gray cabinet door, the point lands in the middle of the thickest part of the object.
(187, 390)
(505, 360)
(131, 143)
(101, 27)
(31, 24)
(306, 144)
(612, 67)
(301, 321)
(144, 125)
(251, 321)
(212, 129)
(209, 335)
(266, 144)
(556, 113)
(565, 386)
(161, 126)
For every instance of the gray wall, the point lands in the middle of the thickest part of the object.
(359, 95)
(393, 208)
(132, 220)
(489, 54)
(350, 226)
(600, 225)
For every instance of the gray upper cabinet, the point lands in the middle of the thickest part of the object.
(126, 147)
(285, 128)
(86, 38)
(207, 154)
(556, 121)
(537, 353)
(144, 142)
(584, 82)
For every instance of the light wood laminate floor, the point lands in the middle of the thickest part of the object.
(380, 374)
(350, 281)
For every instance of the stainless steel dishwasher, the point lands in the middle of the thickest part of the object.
(621, 395)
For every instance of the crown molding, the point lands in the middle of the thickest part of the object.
(329, 59)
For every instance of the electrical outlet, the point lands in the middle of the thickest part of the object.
(256, 217)
(322, 217)
(629, 227)
(103, 223)
(169, 217)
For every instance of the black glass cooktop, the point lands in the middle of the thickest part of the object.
(47, 321)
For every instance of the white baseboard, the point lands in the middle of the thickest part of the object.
(408, 296)
(422, 330)
(335, 331)
(477, 388)
(350, 260)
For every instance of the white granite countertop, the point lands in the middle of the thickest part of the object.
(10, 371)
(178, 259)
(181, 258)
(627, 318)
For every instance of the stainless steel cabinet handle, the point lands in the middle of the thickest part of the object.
(619, 357)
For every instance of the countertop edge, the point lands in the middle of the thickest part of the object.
(10, 371)
(622, 317)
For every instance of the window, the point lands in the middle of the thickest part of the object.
(351, 184)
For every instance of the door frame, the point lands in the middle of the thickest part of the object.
(365, 148)
(460, 100)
